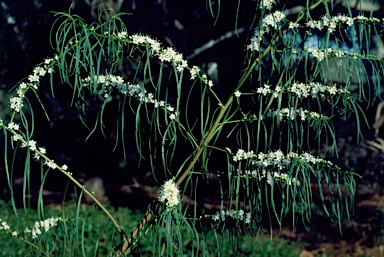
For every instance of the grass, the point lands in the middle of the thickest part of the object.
(85, 231)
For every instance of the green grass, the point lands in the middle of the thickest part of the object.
(86, 231)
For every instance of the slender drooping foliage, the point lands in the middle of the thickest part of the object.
(258, 150)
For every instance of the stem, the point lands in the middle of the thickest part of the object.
(32, 244)
(69, 175)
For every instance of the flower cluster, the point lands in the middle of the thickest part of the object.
(36, 230)
(320, 54)
(314, 89)
(364, 19)
(46, 225)
(170, 55)
(264, 90)
(240, 214)
(110, 82)
(37, 151)
(292, 113)
(270, 176)
(330, 23)
(267, 4)
(4, 225)
(16, 102)
(122, 35)
(270, 21)
(207, 81)
(271, 166)
(302, 90)
(194, 72)
(277, 158)
(293, 25)
(138, 39)
(165, 55)
(169, 194)
(13, 126)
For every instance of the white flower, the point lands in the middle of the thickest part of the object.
(122, 35)
(32, 145)
(169, 194)
(33, 78)
(4, 225)
(170, 108)
(194, 72)
(45, 224)
(264, 90)
(51, 164)
(13, 126)
(16, 103)
(237, 93)
(270, 21)
(267, 4)
(293, 25)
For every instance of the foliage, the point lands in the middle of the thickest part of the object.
(249, 145)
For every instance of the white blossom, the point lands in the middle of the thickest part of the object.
(271, 20)
(4, 225)
(16, 103)
(169, 194)
(51, 164)
(194, 72)
(267, 4)
(13, 126)
(122, 35)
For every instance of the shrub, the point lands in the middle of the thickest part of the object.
(250, 147)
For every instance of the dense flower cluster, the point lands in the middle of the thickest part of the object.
(45, 225)
(302, 90)
(270, 21)
(138, 39)
(169, 194)
(240, 214)
(110, 82)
